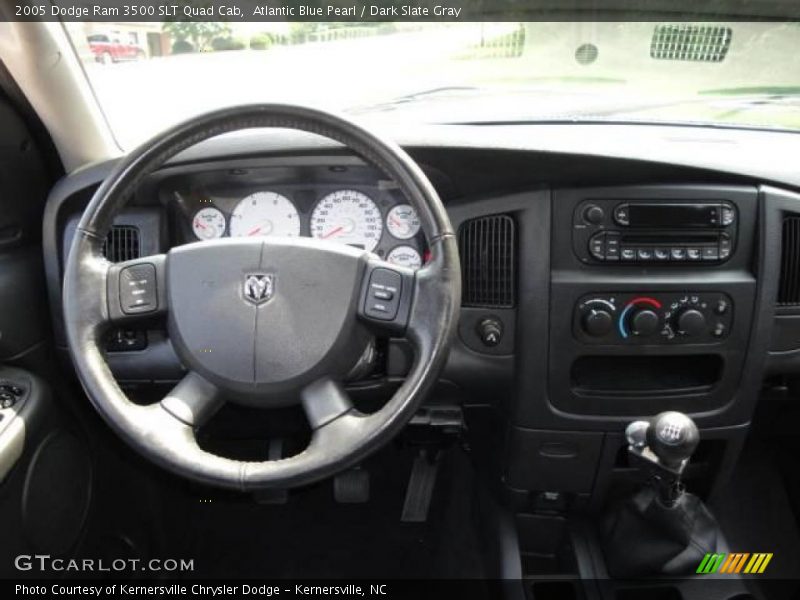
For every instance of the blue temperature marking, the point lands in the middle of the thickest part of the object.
(621, 322)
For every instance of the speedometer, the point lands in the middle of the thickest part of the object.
(265, 213)
(348, 217)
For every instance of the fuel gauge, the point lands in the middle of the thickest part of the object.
(405, 256)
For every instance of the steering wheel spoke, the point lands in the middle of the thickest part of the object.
(324, 401)
(193, 401)
(137, 289)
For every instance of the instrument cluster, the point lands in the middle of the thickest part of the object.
(369, 217)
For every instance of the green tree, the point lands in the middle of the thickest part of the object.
(198, 33)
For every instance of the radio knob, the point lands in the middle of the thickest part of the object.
(597, 322)
(691, 322)
(593, 214)
(644, 322)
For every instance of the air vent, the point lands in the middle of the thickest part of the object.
(789, 288)
(122, 243)
(696, 43)
(486, 246)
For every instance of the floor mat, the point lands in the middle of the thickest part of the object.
(755, 513)
(312, 536)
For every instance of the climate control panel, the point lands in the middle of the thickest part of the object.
(653, 318)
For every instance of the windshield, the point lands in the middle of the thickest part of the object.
(148, 76)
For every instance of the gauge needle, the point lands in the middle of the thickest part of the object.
(200, 224)
(254, 231)
(332, 232)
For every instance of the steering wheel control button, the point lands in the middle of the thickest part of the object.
(137, 289)
(383, 296)
(7, 400)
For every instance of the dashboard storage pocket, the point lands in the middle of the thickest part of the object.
(644, 375)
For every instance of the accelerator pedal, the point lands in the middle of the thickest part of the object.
(420, 488)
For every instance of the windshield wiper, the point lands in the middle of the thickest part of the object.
(413, 97)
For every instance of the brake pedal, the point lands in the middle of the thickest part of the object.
(420, 488)
(352, 486)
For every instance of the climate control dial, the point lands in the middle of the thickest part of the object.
(644, 321)
(598, 322)
(690, 321)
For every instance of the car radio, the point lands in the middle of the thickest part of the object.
(668, 232)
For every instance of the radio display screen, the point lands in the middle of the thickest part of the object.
(674, 215)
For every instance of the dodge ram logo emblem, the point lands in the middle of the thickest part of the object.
(258, 287)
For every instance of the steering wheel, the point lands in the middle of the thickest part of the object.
(261, 321)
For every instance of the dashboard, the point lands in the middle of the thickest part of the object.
(584, 305)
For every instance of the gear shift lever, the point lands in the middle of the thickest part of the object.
(662, 528)
(664, 446)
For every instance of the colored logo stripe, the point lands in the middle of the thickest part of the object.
(735, 562)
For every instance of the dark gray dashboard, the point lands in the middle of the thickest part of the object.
(538, 382)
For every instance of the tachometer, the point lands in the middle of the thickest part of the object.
(265, 213)
(349, 217)
(208, 223)
(403, 222)
(405, 256)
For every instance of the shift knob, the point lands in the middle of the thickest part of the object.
(672, 437)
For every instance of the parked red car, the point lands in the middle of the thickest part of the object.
(107, 50)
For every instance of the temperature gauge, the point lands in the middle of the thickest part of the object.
(403, 222)
(208, 224)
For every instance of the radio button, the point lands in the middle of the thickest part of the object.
(644, 254)
(628, 254)
(678, 253)
(728, 216)
(661, 253)
(622, 215)
(597, 246)
(710, 253)
(693, 254)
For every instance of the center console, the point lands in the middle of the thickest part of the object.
(652, 294)
(647, 306)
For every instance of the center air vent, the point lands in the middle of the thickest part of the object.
(486, 246)
(789, 288)
(696, 43)
(122, 243)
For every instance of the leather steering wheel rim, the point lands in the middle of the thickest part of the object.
(341, 436)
